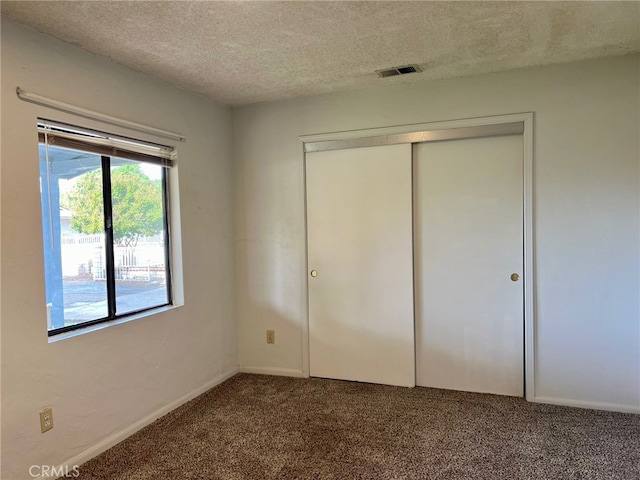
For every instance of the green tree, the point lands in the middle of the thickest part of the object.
(136, 200)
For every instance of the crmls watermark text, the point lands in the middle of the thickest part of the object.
(54, 472)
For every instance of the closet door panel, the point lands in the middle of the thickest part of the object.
(469, 264)
(359, 226)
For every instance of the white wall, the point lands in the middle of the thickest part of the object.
(586, 187)
(101, 383)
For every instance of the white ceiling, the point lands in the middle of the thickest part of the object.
(243, 52)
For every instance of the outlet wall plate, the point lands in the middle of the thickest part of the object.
(46, 419)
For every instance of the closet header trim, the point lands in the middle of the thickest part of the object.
(496, 130)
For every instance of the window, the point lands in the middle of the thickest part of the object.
(105, 225)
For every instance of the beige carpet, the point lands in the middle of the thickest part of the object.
(263, 427)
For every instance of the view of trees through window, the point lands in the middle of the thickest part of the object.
(97, 269)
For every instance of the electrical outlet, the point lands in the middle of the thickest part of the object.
(46, 419)
(271, 336)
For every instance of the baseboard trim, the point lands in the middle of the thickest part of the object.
(568, 402)
(282, 372)
(119, 436)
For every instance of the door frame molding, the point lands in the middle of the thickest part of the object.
(510, 124)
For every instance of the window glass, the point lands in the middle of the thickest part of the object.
(74, 252)
(138, 235)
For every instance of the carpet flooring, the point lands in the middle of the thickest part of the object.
(265, 427)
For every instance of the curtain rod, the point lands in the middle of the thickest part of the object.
(65, 107)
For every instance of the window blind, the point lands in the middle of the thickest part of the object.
(101, 143)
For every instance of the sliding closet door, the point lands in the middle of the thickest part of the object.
(469, 264)
(359, 221)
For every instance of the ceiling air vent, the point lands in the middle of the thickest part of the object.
(391, 72)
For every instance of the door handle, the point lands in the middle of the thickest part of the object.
(514, 277)
(314, 274)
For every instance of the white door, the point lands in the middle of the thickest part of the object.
(359, 227)
(468, 242)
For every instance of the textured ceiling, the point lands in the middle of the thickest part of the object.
(245, 52)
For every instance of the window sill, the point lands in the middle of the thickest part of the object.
(118, 321)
